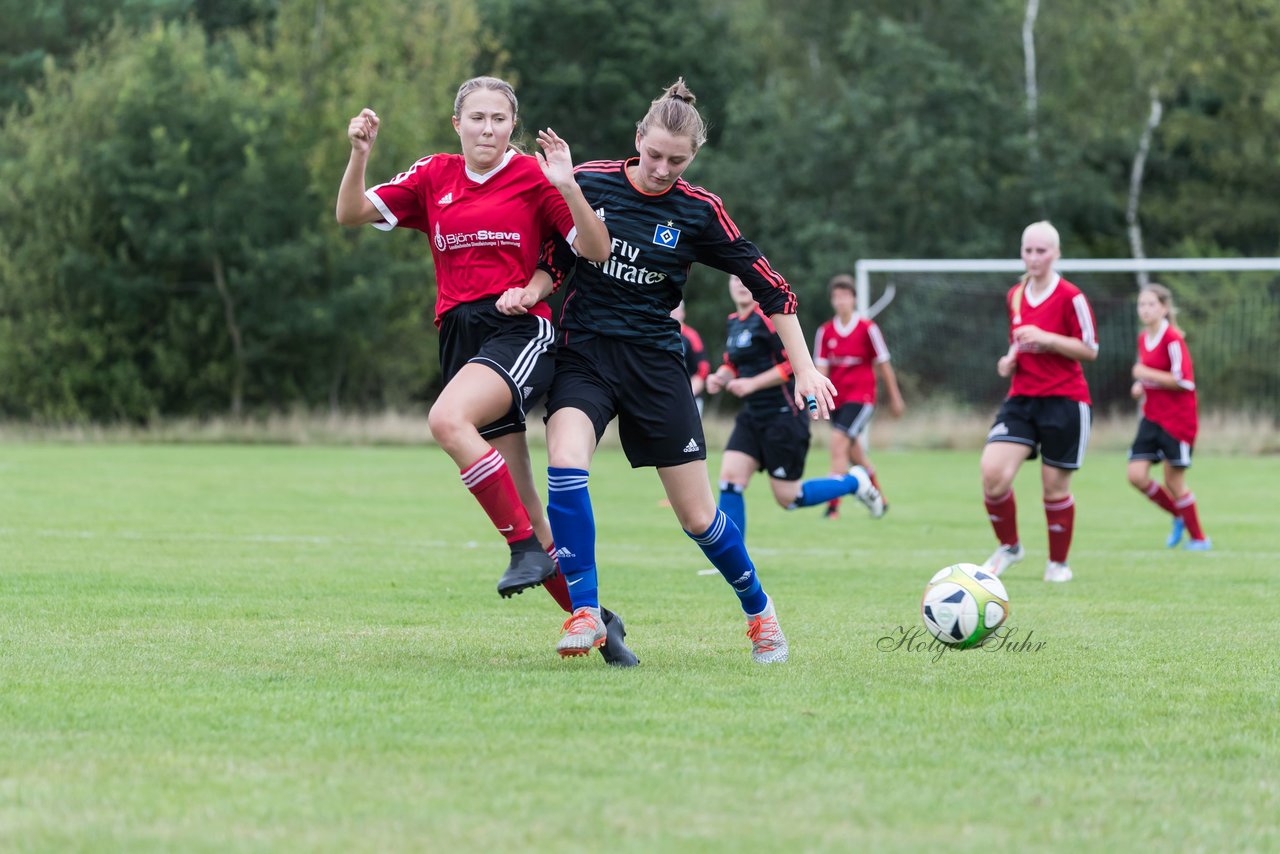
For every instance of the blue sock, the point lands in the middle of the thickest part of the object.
(722, 544)
(733, 505)
(574, 527)
(820, 490)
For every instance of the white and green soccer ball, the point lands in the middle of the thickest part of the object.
(963, 604)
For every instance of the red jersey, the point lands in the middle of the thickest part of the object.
(1062, 310)
(851, 352)
(486, 230)
(1174, 409)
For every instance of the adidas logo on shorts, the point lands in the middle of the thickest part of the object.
(526, 391)
(779, 472)
(692, 447)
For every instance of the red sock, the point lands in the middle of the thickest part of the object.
(491, 484)
(1187, 510)
(834, 504)
(1061, 518)
(557, 586)
(1161, 496)
(1003, 513)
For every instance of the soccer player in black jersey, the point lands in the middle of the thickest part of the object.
(771, 433)
(620, 356)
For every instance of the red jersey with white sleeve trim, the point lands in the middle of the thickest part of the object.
(1063, 310)
(1174, 409)
(486, 230)
(851, 353)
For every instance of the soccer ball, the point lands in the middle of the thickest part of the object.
(963, 604)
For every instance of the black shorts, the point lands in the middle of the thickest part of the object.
(647, 389)
(779, 442)
(1055, 427)
(852, 418)
(520, 348)
(1153, 442)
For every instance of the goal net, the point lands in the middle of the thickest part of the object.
(945, 325)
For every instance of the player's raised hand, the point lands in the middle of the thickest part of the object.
(555, 159)
(363, 130)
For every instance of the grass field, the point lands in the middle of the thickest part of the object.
(230, 648)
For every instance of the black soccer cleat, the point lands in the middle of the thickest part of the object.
(530, 566)
(614, 651)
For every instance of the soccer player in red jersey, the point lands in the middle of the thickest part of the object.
(1165, 382)
(619, 356)
(488, 211)
(1047, 412)
(851, 351)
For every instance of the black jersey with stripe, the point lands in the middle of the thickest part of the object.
(752, 348)
(655, 238)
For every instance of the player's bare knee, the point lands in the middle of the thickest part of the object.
(996, 483)
(696, 521)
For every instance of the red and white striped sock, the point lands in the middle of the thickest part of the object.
(1161, 497)
(1187, 510)
(490, 482)
(1060, 516)
(1003, 513)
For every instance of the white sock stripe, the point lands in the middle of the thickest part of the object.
(566, 484)
(1185, 501)
(1069, 501)
(1002, 499)
(483, 468)
(1152, 489)
(528, 358)
(713, 533)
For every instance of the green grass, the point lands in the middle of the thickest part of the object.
(224, 648)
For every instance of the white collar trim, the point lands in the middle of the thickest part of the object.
(480, 179)
(1033, 300)
(1153, 341)
(841, 330)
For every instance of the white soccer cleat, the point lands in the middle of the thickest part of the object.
(768, 643)
(583, 632)
(1003, 558)
(1056, 571)
(867, 492)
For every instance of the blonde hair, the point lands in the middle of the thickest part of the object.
(493, 84)
(674, 112)
(1165, 297)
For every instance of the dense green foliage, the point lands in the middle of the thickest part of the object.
(168, 168)
(251, 649)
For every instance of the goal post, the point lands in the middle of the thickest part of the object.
(945, 324)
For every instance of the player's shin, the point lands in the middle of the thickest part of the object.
(574, 528)
(723, 545)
